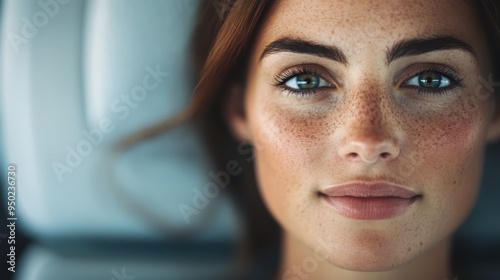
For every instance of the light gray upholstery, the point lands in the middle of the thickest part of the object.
(68, 68)
(76, 77)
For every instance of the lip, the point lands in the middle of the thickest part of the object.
(369, 201)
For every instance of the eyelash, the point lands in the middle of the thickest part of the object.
(455, 81)
(281, 79)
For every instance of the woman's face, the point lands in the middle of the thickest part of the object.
(372, 94)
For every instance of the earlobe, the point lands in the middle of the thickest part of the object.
(234, 113)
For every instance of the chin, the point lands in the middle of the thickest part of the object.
(368, 252)
(368, 262)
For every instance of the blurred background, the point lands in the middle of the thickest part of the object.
(76, 77)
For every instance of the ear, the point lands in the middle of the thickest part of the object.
(494, 130)
(234, 112)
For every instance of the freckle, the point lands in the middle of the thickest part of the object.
(421, 243)
(409, 249)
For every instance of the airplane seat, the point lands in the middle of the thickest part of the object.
(76, 78)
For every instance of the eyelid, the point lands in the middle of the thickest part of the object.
(419, 68)
(314, 69)
(455, 80)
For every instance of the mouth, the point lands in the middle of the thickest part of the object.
(365, 201)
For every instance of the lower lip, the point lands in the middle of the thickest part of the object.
(369, 208)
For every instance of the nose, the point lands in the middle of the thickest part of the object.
(368, 135)
(368, 151)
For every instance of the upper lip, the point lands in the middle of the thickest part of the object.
(364, 189)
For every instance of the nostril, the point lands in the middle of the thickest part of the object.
(369, 152)
(385, 155)
(352, 155)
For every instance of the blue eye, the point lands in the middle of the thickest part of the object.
(429, 80)
(306, 82)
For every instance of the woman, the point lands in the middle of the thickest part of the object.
(367, 119)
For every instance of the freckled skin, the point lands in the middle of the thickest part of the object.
(368, 127)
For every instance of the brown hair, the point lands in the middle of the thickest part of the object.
(221, 45)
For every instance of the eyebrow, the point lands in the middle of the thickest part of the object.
(424, 45)
(301, 46)
(403, 48)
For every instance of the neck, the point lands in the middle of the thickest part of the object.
(299, 262)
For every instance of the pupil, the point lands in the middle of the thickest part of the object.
(306, 81)
(430, 80)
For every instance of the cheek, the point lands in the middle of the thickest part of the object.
(289, 149)
(448, 151)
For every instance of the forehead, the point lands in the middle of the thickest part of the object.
(361, 25)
